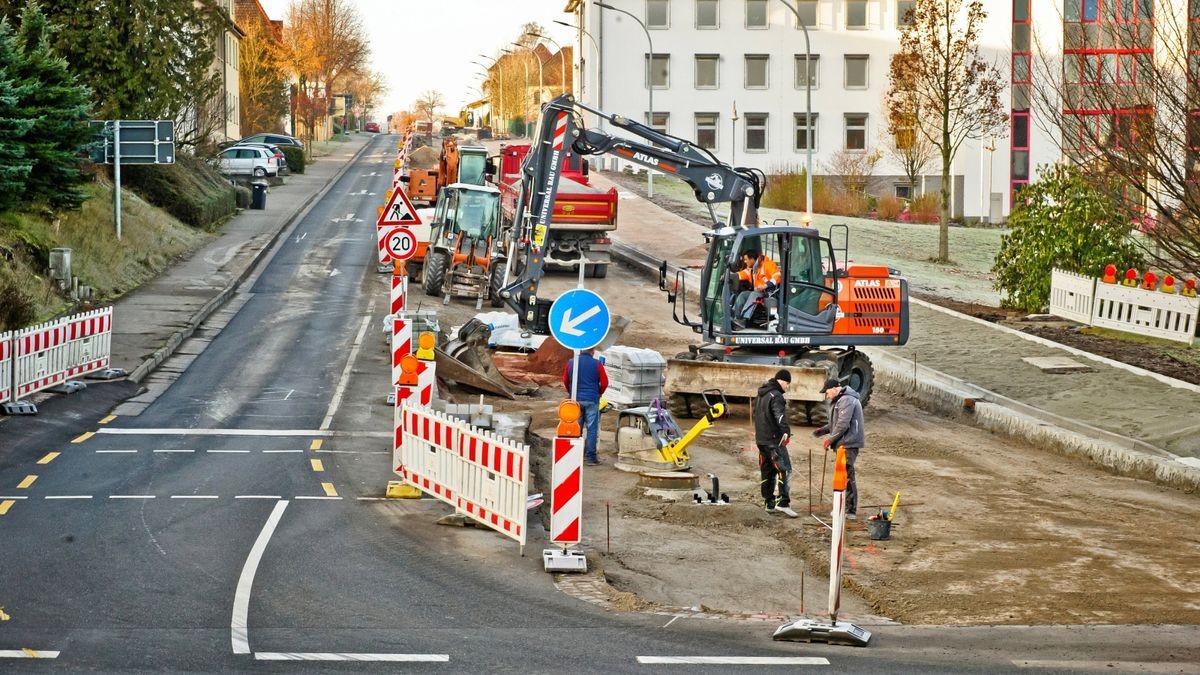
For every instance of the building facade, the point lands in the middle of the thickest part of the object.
(226, 63)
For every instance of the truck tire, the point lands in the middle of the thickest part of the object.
(860, 375)
(495, 278)
(434, 273)
(817, 413)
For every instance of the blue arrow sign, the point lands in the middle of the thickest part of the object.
(579, 319)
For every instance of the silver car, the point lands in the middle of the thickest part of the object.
(248, 160)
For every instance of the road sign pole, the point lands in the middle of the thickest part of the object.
(575, 368)
(117, 174)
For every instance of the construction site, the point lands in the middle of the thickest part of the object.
(1018, 495)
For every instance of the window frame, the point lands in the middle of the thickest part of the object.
(765, 128)
(765, 59)
(716, 130)
(816, 11)
(716, 62)
(813, 132)
(866, 61)
(666, 5)
(649, 74)
(665, 129)
(866, 7)
(813, 71)
(717, 16)
(766, 5)
(846, 129)
(900, 14)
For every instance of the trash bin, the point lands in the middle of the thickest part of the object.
(258, 198)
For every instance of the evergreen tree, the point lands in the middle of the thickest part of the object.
(14, 167)
(59, 107)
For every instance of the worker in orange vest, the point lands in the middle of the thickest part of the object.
(762, 274)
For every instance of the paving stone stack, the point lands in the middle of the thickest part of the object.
(635, 376)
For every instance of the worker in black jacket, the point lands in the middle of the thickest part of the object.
(771, 434)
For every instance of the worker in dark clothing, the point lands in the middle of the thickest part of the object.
(845, 429)
(771, 434)
(593, 380)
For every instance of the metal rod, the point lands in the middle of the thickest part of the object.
(608, 528)
(808, 178)
(117, 174)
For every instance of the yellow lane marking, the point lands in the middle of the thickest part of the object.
(27, 482)
(329, 491)
(3, 616)
(108, 419)
(317, 465)
(48, 458)
(4, 507)
(316, 445)
(84, 437)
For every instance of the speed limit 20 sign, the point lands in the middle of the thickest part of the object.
(396, 243)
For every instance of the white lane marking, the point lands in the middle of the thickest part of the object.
(27, 654)
(736, 660)
(194, 497)
(258, 497)
(229, 452)
(315, 497)
(280, 452)
(116, 452)
(68, 497)
(371, 499)
(355, 452)
(131, 496)
(239, 635)
(1113, 666)
(174, 451)
(13, 497)
(243, 432)
(673, 620)
(345, 379)
(314, 656)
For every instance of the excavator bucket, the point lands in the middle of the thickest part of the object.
(465, 359)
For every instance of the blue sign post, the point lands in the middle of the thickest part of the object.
(579, 320)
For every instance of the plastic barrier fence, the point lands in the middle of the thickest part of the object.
(482, 475)
(1071, 296)
(6, 351)
(56, 351)
(1145, 312)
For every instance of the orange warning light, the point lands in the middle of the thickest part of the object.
(568, 419)
(1110, 274)
(408, 370)
(839, 470)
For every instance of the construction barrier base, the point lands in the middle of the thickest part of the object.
(834, 633)
(68, 387)
(398, 489)
(563, 560)
(19, 408)
(108, 374)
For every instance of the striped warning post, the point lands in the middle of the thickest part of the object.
(560, 131)
(399, 293)
(6, 351)
(566, 495)
(426, 378)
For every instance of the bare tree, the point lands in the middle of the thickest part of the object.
(1131, 114)
(262, 79)
(938, 76)
(904, 144)
(854, 167)
(367, 88)
(428, 104)
(325, 42)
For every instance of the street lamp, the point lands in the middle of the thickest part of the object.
(649, 82)
(499, 82)
(582, 75)
(562, 83)
(808, 131)
(524, 99)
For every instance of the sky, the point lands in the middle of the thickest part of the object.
(415, 43)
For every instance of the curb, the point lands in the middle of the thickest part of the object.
(988, 410)
(165, 352)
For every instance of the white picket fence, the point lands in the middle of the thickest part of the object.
(1133, 310)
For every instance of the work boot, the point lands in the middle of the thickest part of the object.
(787, 511)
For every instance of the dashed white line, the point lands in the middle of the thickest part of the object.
(282, 433)
(194, 497)
(372, 499)
(238, 631)
(315, 497)
(131, 496)
(68, 497)
(1112, 666)
(165, 451)
(229, 452)
(280, 452)
(736, 660)
(13, 497)
(258, 497)
(314, 656)
(116, 452)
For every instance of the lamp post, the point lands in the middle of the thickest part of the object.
(499, 83)
(595, 46)
(562, 83)
(733, 139)
(524, 98)
(649, 82)
(541, 80)
(808, 132)
(986, 216)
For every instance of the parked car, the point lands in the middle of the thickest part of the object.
(252, 161)
(279, 156)
(372, 127)
(275, 139)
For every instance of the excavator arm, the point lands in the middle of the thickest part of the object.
(560, 130)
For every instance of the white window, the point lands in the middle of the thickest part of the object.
(706, 130)
(658, 14)
(707, 71)
(808, 13)
(856, 13)
(805, 131)
(809, 76)
(756, 132)
(658, 70)
(756, 14)
(659, 122)
(856, 131)
(708, 14)
(856, 71)
(903, 12)
(756, 71)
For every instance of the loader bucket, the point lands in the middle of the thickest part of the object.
(465, 360)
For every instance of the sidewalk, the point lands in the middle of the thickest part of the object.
(152, 321)
(1135, 422)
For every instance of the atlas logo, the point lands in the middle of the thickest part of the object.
(639, 157)
(873, 283)
(714, 182)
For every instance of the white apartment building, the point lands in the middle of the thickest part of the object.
(711, 57)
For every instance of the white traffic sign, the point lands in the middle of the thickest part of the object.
(396, 243)
(399, 211)
(579, 319)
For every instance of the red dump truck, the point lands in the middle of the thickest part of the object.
(582, 218)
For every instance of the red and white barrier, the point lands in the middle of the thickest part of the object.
(51, 353)
(426, 379)
(566, 494)
(1143, 311)
(482, 475)
(6, 352)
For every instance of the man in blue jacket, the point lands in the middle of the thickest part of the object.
(845, 429)
(593, 380)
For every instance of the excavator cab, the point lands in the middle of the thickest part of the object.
(461, 242)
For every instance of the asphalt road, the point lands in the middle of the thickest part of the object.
(237, 521)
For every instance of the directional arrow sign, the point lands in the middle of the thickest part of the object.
(579, 319)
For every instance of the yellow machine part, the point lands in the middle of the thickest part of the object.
(676, 452)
